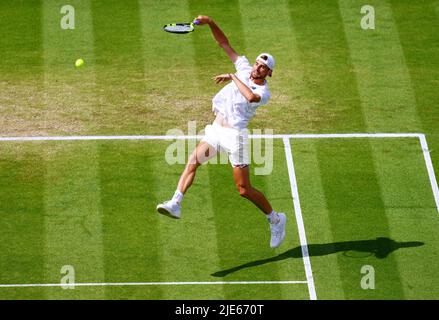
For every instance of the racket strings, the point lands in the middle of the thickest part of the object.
(179, 28)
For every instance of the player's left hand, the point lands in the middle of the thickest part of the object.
(222, 78)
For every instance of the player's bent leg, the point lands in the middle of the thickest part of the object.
(277, 220)
(242, 181)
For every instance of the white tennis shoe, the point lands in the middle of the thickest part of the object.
(170, 209)
(278, 231)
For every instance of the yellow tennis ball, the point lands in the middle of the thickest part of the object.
(79, 63)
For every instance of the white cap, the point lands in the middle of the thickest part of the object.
(266, 59)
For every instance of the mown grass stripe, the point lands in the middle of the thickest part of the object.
(316, 216)
(73, 226)
(22, 183)
(329, 83)
(286, 83)
(69, 92)
(132, 246)
(411, 212)
(22, 168)
(21, 66)
(120, 67)
(332, 82)
(382, 76)
(130, 239)
(73, 218)
(420, 43)
(171, 81)
(21, 45)
(354, 197)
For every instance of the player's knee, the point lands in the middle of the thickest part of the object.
(192, 167)
(193, 163)
(243, 190)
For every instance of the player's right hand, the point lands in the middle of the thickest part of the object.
(203, 19)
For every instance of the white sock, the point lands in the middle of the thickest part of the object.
(178, 197)
(273, 217)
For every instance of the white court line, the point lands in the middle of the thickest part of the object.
(299, 219)
(430, 169)
(96, 284)
(180, 137)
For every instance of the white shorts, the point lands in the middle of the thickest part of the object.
(232, 141)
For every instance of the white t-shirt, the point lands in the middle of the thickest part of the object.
(232, 105)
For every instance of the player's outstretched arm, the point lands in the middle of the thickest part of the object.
(219, 36)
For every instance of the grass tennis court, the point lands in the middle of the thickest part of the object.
(91, 204)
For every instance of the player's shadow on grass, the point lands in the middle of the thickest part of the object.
(380, 247)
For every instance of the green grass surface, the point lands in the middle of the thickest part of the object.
(92, 204)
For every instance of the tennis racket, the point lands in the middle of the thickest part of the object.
(181, 28)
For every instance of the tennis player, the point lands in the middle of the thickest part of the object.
(234, 105)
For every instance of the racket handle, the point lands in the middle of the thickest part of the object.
(196, 22)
